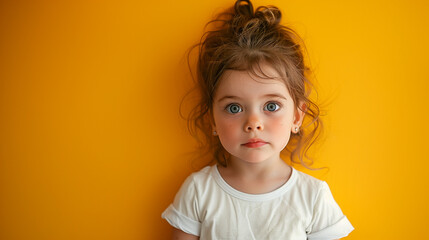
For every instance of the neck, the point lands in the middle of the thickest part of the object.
(256, 178)
(262, 170)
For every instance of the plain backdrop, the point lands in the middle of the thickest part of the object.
(92, 145)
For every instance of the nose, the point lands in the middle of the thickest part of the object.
(253, 123)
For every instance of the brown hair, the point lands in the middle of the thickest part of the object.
(241, 39)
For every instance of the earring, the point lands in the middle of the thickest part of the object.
(296, 129)
(214, 133)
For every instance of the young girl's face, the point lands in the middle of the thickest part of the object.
(253, 116)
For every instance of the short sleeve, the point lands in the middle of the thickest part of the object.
(328, 221)
(183, 214)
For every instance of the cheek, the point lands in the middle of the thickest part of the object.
(226, 135)
(226, 128)
(281, 130)
(228, 132)
(281, 123)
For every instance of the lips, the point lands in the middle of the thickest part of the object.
(254, 143)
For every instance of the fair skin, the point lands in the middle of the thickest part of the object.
(180, 235)
(253, 118)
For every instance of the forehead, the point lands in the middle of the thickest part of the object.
(262, 81)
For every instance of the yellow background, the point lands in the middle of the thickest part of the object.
(93, 147)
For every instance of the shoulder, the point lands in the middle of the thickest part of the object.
(185, 212)
(188, 199)
(200, 177)
(305, 190)
(202, 174)
(309, 184)
(197, 182)
(325, 215)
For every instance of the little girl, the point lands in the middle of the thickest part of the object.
(254, 98)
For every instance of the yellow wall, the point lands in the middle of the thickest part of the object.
(92, 146)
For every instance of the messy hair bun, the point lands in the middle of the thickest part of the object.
(268, 15)
(241, 39)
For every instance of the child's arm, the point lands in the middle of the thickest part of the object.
(180, 235)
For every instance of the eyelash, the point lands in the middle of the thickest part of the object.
(227, 108)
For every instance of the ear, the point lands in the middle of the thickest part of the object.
(298, 116)
(213, 125)
(214, 132)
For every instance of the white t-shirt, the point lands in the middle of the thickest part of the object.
(303, 208)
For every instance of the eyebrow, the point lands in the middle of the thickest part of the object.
(273, 95)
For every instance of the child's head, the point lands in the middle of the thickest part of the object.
(254, 43)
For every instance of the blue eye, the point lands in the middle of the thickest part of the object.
(233, 108)
(271, 107)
